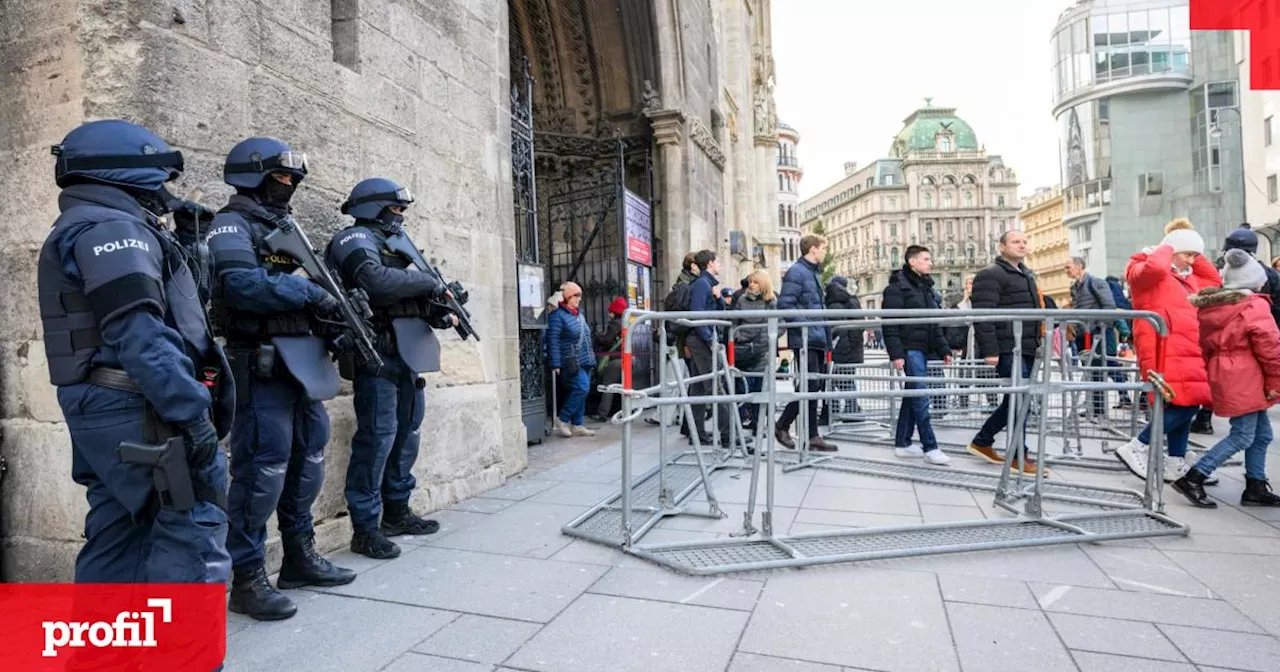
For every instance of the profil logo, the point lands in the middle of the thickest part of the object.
(128, 629)
(1262, 19)
(126, 626)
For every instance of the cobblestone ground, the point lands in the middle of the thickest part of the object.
(501, 588)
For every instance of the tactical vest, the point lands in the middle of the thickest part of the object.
(72, 338)
(240, 326)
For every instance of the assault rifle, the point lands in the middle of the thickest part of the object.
(400, 243)
(291, 240)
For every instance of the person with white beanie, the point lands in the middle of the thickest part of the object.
(1160, 280)
(1241, 345)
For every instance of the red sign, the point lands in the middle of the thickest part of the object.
(639, 251)
(1261, 19)
(113, 626)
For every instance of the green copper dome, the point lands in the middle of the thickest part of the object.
(920, 130)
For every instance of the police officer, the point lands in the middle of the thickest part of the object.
(389, 403)
(129, 349)
(265, 310)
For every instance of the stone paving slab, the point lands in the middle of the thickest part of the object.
(1233, 650)
(1152, 608)
(1106, 635)
(477, 583)
(599, 632)
(526, 529)
(1000, 639)
(1251, 583)
(417, 662)
(991, 592)
(1101, 662)
(664, 586)
(479, 639)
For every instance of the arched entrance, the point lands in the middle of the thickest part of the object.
(582, 73)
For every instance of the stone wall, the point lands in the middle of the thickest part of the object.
(418, 92)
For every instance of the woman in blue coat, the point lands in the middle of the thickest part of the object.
(572, 357)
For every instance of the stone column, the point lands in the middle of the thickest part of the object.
(672, 215)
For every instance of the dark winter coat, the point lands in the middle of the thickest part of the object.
(908, 290)
(1001, 286)
(802, 290)
(849, 343)
(751, 346)
(569, 335)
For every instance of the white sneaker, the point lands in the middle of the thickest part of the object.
(559, 427)
(1177, 467)
(581, 430)
(908, 451)
(1134, 456)
(936, 456)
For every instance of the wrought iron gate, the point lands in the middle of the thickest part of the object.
(530, 269)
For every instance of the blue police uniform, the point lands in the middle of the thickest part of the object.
(264, 309)
(389, 403)
(129, 349)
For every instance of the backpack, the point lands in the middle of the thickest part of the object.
(678, 300)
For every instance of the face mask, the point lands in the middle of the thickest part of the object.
(390, 219)
(156, 202)
(277, 193)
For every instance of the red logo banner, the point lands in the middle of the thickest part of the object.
(113, 627)
(1262, 19)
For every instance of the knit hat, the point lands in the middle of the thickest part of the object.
(1181, 235)
(618, 307)
(1243, 271)
(1242, 239)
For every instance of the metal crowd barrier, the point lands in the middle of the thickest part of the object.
(1042, 404)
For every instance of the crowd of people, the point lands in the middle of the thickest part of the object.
(1221, 355)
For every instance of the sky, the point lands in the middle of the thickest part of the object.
(849, 71)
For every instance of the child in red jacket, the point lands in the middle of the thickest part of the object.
(1241, 347)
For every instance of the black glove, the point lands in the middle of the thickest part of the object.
(328, 306)
(189, 215)
(202, 441)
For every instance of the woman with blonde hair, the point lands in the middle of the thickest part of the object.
(751, 344)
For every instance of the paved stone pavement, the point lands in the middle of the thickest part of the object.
(500, 588)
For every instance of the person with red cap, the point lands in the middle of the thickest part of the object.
(609, 352)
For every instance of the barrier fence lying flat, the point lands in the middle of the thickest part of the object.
(1064, 398)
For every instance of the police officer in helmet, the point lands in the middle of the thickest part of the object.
(130, 352)
(389, 403)
(267, 312)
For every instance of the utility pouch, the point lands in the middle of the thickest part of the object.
(265, 363)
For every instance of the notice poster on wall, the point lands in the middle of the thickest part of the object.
(639, 229)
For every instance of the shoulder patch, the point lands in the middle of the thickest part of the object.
(120, 244)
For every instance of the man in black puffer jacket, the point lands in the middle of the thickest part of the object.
(1007, 285)
(910, 347)
(848, 348)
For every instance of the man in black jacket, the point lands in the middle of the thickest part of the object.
(910, 347)
(1008, 285)
(848, 347)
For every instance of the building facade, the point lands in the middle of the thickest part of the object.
(546, 140)
(789, 174)
(1139, 98)
(1041, 219)
(1260, 126)
(938, 188)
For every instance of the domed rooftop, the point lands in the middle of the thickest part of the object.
(788, 128)
(920, 130)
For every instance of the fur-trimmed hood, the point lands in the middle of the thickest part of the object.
(1218, 296)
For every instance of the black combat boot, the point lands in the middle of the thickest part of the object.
(303, 566)
(1257, 492)
(253, 596)
(373, 544)
(1203, 423)
(398, 519)
(1192, 487)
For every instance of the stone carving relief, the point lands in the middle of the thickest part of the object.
(766, 114)
(652, 99)
(704, 139)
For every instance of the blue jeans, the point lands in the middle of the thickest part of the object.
(575, 406)
(914, 413)
(385, 445)
(1177, 428)
(1250, 433)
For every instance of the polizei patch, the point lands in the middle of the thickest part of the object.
(117, 245)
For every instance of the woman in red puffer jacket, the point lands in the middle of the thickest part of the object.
(1241, 346)
(1160, 280)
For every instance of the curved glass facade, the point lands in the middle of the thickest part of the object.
(1120, 39)
(1085, 148)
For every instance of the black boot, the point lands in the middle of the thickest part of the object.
(303, 566)
(1203, 423)
(373, 544)
(253, 596)
(398, 519)
(1192, 487)
(1257, 492)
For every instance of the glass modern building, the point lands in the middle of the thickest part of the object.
(1137, 98)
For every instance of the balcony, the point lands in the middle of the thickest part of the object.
(788, 162)
(1089, 195)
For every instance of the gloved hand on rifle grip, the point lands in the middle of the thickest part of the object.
(202, 441)
(459, 292)
(328, 306)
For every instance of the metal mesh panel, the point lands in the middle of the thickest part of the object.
(607, 523)
(1138, 523)
(876, 542)
(720, 556)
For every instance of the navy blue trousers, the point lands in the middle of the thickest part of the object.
(277, 464)
(129, 538)
(385, 446)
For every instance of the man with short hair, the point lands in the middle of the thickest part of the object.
(802, 290)
(703, 297)
(1009, 285)
(911, 346)
(1089, 292)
